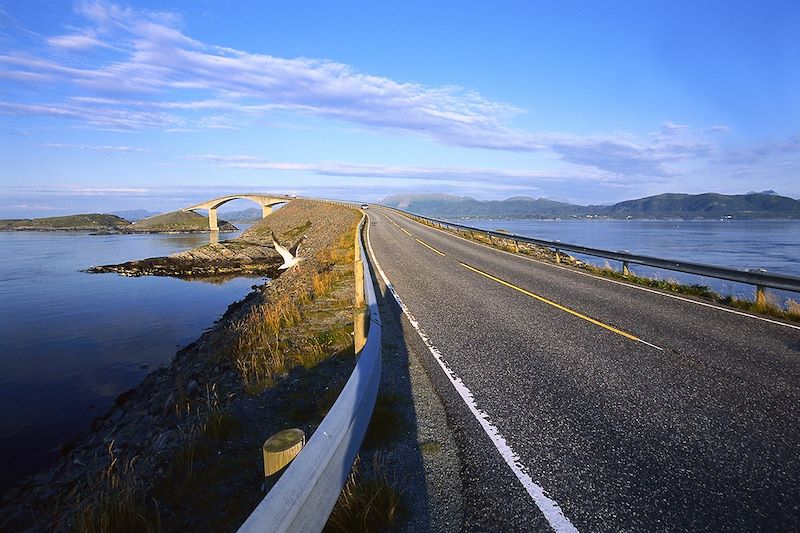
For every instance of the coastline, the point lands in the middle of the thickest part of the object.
(153, 424)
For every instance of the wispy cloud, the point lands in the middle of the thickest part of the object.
(352, 170)
(153, 76)
(95, 148)
(130, 69)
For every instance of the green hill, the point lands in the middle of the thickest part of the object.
(763, 205)
(464, 206)
(87, 222)
(709, 205)
(177, 221)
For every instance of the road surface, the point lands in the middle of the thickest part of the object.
(582, 403)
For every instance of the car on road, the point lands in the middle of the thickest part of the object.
(364, 206)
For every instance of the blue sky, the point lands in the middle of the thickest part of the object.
(156, 105)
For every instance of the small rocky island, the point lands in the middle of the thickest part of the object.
(176, 222)
(172, 222)
(242, 256)
(87, 222)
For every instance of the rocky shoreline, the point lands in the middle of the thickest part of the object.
(105, 224)
(139, 442)
(237, 256)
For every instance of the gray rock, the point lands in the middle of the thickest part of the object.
(116, 416)
(169, 404)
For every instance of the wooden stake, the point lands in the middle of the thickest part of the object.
(281, 448)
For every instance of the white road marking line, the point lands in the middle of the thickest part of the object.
(629, 285)
(549, 508)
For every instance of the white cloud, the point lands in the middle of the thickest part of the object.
(96, 148)
(152, 76)
(74, 42)
(462, 174)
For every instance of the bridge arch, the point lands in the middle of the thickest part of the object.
(265, 201)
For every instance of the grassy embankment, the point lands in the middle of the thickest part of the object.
(764, 303)
(303, 330)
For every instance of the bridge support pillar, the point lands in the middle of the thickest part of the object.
(266, 210)
(212, 219)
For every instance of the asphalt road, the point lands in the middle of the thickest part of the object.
(584, 403)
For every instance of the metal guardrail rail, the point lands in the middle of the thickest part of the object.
(304, 496)
(760, 279)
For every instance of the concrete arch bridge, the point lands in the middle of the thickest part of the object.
(264, 200)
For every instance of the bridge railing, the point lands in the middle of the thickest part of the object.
(759, 279)
(304, 496)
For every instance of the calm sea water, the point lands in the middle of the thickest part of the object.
(773, 245)
(71, 342)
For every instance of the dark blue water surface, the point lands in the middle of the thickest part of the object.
(773, 245)
(71, 342)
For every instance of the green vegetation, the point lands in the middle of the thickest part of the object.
(177, 221)
(709, 205)
(88, 222)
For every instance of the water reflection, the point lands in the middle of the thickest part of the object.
(70, 342)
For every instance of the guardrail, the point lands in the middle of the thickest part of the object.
(304, 496)
(761, 280)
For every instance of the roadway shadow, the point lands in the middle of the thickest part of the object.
(391, 450)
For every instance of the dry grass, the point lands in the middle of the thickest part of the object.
(793, 309)
(366, 505)
(122, 502)
(343, 251)
(321, 283)
(766, 302)
(311, 353)
(268, 342)
(219, 423)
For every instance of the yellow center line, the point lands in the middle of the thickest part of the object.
(426, 245)
(561, 307)
(398, 225)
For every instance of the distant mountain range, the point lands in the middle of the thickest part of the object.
(754, 205)
(251, 213)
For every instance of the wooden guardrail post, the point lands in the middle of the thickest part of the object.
(281, 448)
(625, 270)
(361, 317)
(558, 256)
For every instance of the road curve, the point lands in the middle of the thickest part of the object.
(586, 404)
